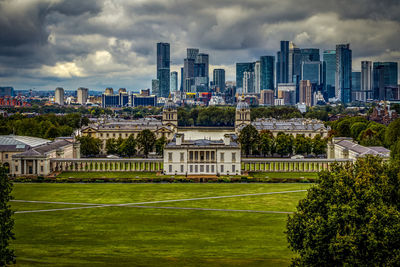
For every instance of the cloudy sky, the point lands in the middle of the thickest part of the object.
(112, 43)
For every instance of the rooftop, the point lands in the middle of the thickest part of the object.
(20, 143)
(362, 150)
(43, 149)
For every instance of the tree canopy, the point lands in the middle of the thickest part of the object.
(7, 255)
(350, 218)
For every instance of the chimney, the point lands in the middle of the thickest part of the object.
(227, 139)
(179, 139)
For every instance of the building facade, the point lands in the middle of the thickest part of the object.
(59, 96)
(174, 81)
(267, 73)
(366, 91)
(202, 157)
(219, 79)
(305, 93)
(329, 73)
(346, 148)
(82, 95)
(343, 73)
(163, 68)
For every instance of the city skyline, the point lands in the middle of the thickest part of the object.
(99, 44)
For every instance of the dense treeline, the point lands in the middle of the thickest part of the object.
(143, 144)
(265, 144)
(44, 126)
(209, 116)
(278, 112)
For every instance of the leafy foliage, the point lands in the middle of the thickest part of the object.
(160, 145)
(146, 140)
(248, 139)
(284, 144)
(90, 146)
(6, 221)
(351, 218)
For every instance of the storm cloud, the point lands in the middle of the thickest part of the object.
(96, 44)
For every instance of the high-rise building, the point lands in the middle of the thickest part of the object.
(312, 71)
(188, 74)
(248, 82)
(267, 65)
(329, 72)
(343, 73)
(257, 77)
(287, 92)
(174, 81)
(356, 85)
(305, 93)
(192, 53)
(163, 68)
(282, 68)
(385, 78)
(219, 79)
(155, 87)
(240, 69)
(82, 95)
(182, 79)
(267, 97)
(310, 54)
(59, 96)
(366, 91)
(6, 91)
(294, 63)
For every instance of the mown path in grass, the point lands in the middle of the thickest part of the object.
(127, 236)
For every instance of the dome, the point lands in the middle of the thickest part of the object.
(170, 104)
(242, 105)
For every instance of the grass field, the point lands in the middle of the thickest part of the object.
(237, 230)
(122, 175)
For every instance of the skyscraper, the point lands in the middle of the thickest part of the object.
(59, 96)
(343, 73)
(305, 93)
(248, 82)
(282, 75)
(188, 74)
(182, 79)
(356, 85)
(366, 81)
(155, 87)
(203, 61)
(267, 75)
(310, 54)
(294, 68)
(174, 81)
(240, 69)
(82, 95)
(163, 68)
(385, 79)
(329, 72)
(257, 77)
(219, 79)
(192, 53)
(312, 71)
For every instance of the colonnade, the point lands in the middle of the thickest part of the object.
(101, 165)
(287, 165)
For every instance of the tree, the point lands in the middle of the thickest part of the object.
(319, 145)
(52, 132)
(350, 218)
(266, 143)
(357, 128)
(128, 146)
(395, 150)
(6, 221)
(112, 147)
(90, 146)
(284, 144)
(392, 133)
(248, 139)
(302, 144)
(160, 144)
(146, 140)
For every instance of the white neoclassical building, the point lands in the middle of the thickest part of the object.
(202, 157)
(346, 148)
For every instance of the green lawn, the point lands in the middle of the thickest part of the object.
(128, 236)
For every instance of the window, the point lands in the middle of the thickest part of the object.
(201, 155)
(170, 156)
(212, 155)
(6, 156)
(207, 168)
(212, 168)
(191, 155)
(113, 134)
(107, 135)
(201, 168)
(170, 168)
(196, 168)
(191, 168)
(233, 168)
(207, 155)
(233, 157)
(222, 157)
(41, 169)
(182, 169)
(182, 156)
(222, 168)
(16, 168)
(196, 155)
